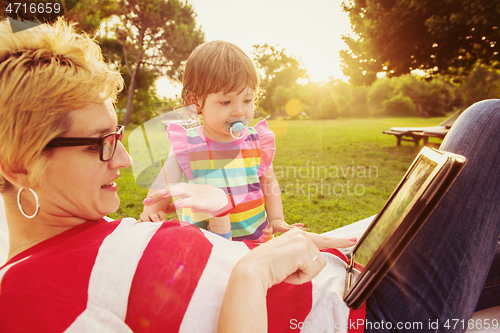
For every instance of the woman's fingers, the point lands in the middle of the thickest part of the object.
(293, 257)
(328, 242)
(311, 267)
(163, 194)
(205, 197)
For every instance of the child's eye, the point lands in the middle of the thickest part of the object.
(94, 148)
(225, 102)
(248, 101)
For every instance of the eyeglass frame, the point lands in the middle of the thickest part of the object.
(82, 141)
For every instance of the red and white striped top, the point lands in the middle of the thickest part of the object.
(124, 276)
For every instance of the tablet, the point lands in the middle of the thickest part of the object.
(422, 187)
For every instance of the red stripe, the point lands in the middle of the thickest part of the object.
(48, 291)
(296, 298)
(357, 319)
(246, 206)
(337, 253)
(246, 153)
(164, 284)
(287, 303)
(223, 154)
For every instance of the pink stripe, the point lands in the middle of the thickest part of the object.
(247, 197)
(249, 145)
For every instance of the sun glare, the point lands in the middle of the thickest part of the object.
(311, 31)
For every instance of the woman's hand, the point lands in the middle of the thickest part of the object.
(199, 197)
(293, 257)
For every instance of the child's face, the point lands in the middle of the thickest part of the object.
(223, 108)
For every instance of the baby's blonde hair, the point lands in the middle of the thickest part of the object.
(218, 66)
(45, 72)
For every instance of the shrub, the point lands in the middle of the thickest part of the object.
(399, 105)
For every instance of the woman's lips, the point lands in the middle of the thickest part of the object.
(110, 187)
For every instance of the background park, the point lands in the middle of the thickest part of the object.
(400, 63)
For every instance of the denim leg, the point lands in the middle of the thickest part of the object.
(490, 296)
(441, 274)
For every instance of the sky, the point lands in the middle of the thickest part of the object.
(310, 30)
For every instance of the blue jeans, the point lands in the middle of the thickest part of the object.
(439, 278)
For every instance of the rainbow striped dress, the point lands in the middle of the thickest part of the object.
(235, 167)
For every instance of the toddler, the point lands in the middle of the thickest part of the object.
(221, 82)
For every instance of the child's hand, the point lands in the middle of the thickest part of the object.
(281, 227)
(153, 217)
(156, 206)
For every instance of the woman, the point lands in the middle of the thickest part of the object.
(71, 270)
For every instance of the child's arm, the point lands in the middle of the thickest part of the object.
(157, 211)
(274, 206)
(221, 226)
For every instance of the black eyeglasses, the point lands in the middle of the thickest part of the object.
(106, 143)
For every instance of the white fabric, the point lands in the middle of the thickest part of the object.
(328, 292)
(112, 276)
(207, 298)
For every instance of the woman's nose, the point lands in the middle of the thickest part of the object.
(121, 159)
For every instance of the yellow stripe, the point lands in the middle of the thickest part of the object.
(195, 217)
(226, 164)
(238, 217)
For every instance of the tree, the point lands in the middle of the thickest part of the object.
(89, 14)
(278, 69)
(158, 35)
(432, 99)
(381, 90)
(399, 105)
(481, 83)
(409, 95)
(437, 36)
(145, 100)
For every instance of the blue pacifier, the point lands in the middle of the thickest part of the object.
(236, 126)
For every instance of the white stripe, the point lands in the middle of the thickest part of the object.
(9, 266)
(202, 314)
(111, 278)
(328, 313)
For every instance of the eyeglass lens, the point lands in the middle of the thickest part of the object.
(109, 145)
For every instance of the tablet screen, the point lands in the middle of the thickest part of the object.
(395, 211)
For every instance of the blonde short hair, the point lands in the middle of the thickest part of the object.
(218, 66)
(45, 72)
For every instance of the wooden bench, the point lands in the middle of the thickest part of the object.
(415, 136)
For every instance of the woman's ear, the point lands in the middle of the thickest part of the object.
(15, 178)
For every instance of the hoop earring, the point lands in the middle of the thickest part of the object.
(21, 208)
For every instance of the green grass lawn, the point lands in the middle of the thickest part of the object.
(331, 172)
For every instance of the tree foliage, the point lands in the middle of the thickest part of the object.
(280, 72)
(437, 36)
(89, 14)
(482, 83)
(157, 35)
